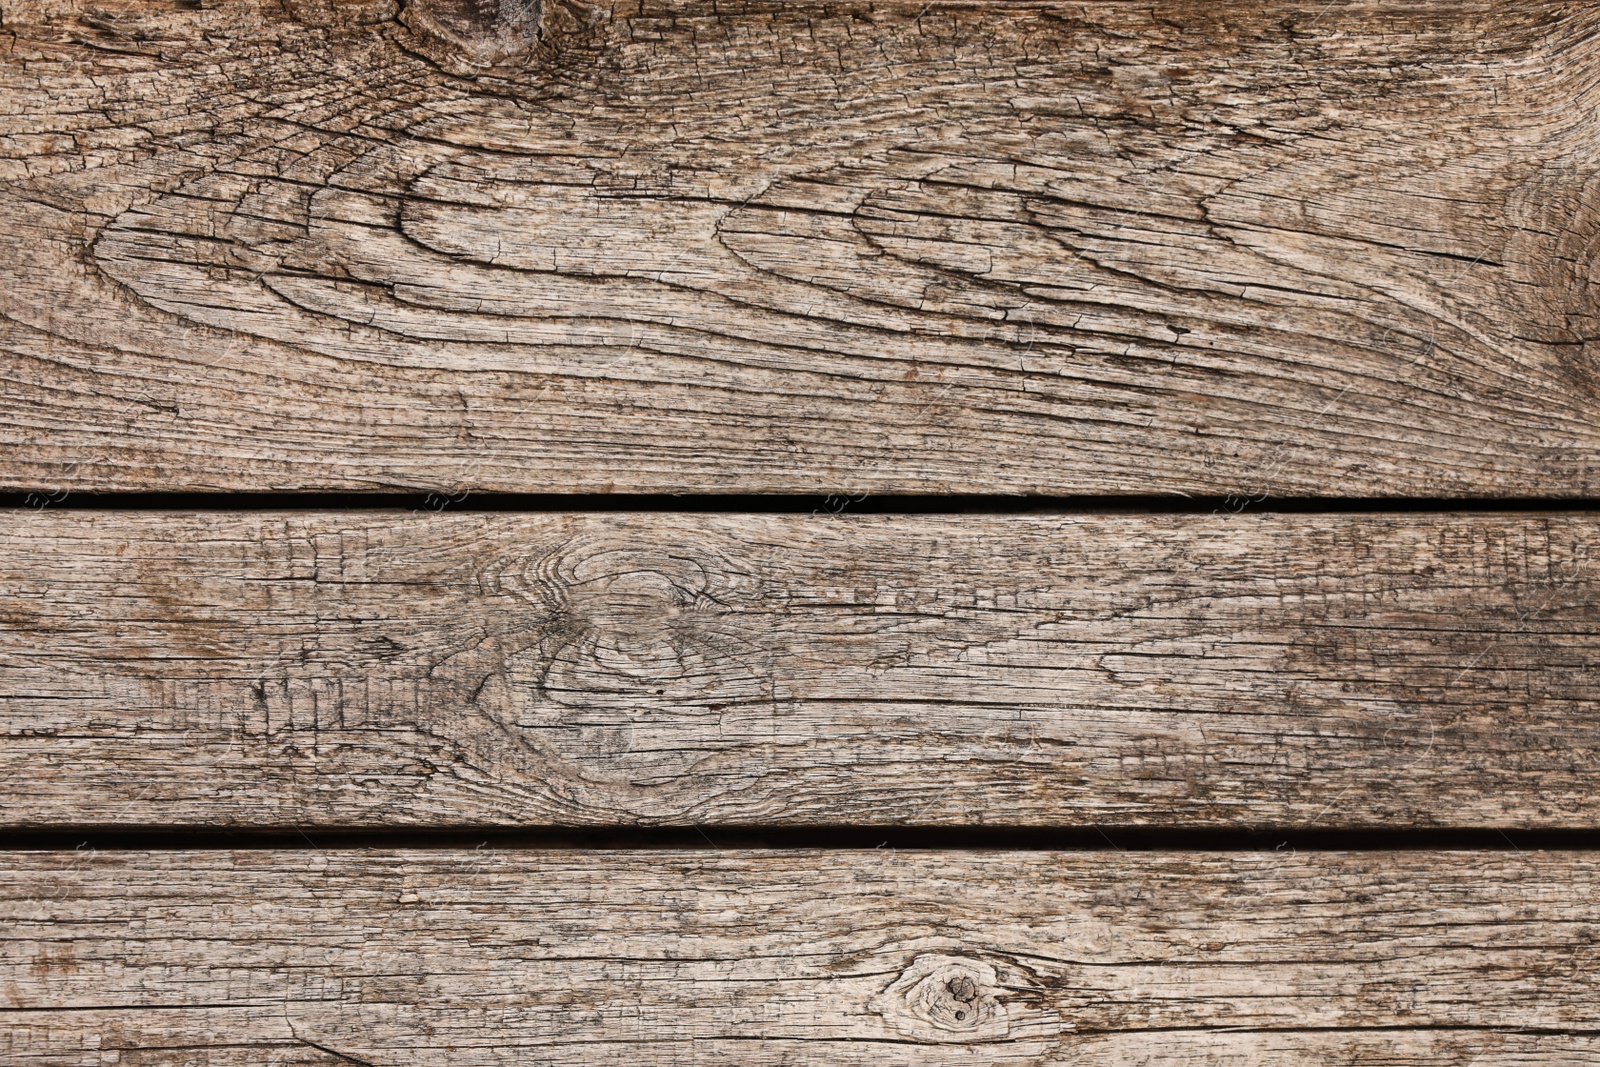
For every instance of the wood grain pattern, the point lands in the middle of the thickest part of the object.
(1203, 247)
(882, 958)
(379, 668)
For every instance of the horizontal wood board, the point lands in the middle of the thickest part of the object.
(1073, 248)
(395, 669)
(855, 957)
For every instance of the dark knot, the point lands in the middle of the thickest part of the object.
(468, 35)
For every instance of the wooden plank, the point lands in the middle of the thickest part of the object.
(383, 668)
(856, 957)
(1225, 247)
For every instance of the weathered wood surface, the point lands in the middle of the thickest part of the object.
(1207, 246)
(856, 957)
(390, 668)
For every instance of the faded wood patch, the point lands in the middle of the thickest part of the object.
(543, 245)
(468, 958)
(383, 668)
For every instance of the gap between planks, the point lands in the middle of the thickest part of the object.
(717, 838)
(40, 499)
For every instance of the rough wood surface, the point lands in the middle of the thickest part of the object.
(391, 668)
(1206, 246)
(871, 958)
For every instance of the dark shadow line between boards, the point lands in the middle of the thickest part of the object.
(814, 504)
(709, 838)
(1106, 838)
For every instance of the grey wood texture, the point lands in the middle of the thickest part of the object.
(876, 958)
(1202, 247)
(385, 668)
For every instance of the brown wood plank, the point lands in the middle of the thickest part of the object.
(855, 957)
(384, 668)
(1206, 247)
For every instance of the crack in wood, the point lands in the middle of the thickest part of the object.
(844, 248)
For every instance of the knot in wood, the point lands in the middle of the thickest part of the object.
(630, 598)
(945, 998)
(634, 644)
(964, 989)
(468, 35)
